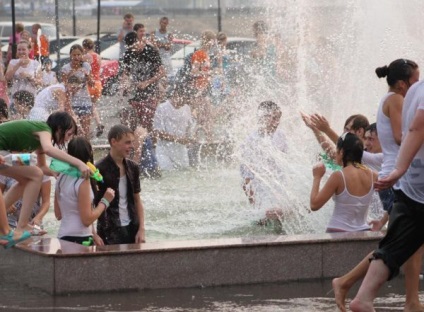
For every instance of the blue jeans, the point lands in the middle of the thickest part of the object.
(148, 162)
(387, 198)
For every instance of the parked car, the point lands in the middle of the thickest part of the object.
(106, 40)
(56, 45)
(110, 65)
(6, 30)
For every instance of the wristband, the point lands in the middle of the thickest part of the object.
(105, 202)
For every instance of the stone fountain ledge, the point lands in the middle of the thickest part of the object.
(60, 267)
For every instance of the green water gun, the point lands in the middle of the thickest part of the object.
(88, 242)
(68, 169)
(329, 163)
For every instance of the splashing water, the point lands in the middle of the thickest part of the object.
(329, 52)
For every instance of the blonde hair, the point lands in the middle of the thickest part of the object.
(208, 36)
(28, 44)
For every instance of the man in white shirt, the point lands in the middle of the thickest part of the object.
(172, 126)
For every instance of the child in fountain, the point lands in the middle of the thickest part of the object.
(74, 197)
(352, 187)
(262, 156)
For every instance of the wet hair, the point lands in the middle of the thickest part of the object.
(47, 61)
(138, 26)
(164, 18)
(25, 98)
(260, 27)
(268, 107)
(38, 26)
(207, 36)
(4, 110)
(59, 123)
(130, 39)
(76, 47)
(128, 15)
(372, 128)
(352, 148)
(88, 44)
(80, 148)
(221, 36)
(19, 27)
(349, 119)
(401, 69)
(360, 121)
(74, 79)
(27, 43)
(117, 132)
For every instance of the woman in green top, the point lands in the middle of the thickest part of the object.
(24, 136)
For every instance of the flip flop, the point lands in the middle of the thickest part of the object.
(11, 241)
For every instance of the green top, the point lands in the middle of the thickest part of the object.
(18, 136)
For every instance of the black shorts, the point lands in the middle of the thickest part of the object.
(121, 235)
(79, 239)
(405, 233)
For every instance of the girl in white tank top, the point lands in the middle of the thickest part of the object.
(352, 188)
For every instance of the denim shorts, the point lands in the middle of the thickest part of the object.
(387, 197)
(82, 110)
(405, 233)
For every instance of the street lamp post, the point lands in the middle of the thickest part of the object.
(74, 19)
(219, 16)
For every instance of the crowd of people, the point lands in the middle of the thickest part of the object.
(162, 118)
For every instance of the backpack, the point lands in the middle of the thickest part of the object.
(183, 75)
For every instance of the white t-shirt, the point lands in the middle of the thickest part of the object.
(20, 83)
(45, 103)
(67, 189)
(82, 97)
(178, 122)
(123, 201)
(49, 78)
(263, 159)
(372, 160)
(412, 182)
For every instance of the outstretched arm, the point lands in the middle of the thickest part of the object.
(322, 139)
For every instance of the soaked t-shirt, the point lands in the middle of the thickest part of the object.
(18, 136)
(141, 66)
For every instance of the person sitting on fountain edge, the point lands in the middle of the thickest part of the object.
(260, 169)
(123, 222)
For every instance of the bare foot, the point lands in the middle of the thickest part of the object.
(357, 306)
(414, 307)
(340, 293)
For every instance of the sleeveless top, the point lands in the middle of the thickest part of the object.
(350, 212)
(387, 141)
(67, 189)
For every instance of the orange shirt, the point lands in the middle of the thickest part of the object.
(44, 47)
(95, 66)
(201, 57)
